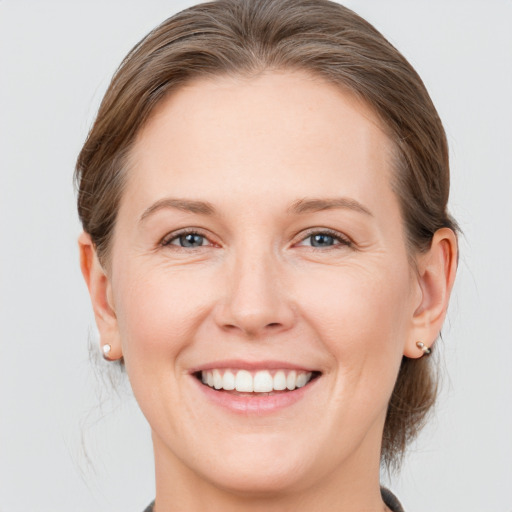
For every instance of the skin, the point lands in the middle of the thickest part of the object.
(256, 289)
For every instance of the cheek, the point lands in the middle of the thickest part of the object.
(360, 318)
(159, 311)
(158, 317)
(361, 315)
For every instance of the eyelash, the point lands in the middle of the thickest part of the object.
(171, 237)
(342, 240)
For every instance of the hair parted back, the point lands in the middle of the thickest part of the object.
(245, 38)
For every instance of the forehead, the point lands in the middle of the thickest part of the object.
(286, 130)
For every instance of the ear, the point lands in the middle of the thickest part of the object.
(100, 290)
(435, 274)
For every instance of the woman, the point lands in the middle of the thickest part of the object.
(268, 252)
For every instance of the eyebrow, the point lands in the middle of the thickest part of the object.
(186, 205)
(300, 206)
(317, 205)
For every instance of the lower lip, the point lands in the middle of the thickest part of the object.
(255, 404)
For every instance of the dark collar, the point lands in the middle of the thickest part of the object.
(391, 500)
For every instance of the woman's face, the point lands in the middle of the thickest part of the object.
(259, 243)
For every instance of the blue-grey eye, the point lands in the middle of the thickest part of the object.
(189, 240)
(322, 240)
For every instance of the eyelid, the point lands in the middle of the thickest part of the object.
(169, 237)
(343, 239)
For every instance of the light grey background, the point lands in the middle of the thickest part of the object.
(61, 451)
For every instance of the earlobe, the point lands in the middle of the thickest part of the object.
(436, 275)
(100, 291)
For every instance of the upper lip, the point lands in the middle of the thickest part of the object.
(251, 365)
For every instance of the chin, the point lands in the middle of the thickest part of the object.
(256, 478)
(255, 464)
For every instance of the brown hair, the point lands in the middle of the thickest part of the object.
(245, 37)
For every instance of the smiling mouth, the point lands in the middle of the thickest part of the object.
(255, 383)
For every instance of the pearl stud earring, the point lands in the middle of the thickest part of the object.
(422, 346)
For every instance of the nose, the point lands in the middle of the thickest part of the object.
(256, 302)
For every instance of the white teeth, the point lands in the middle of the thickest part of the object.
(228, 381)
(301, 380)
(291, 380)
(261, 381)
(279, 381)
(243, 381)
(217, 379)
